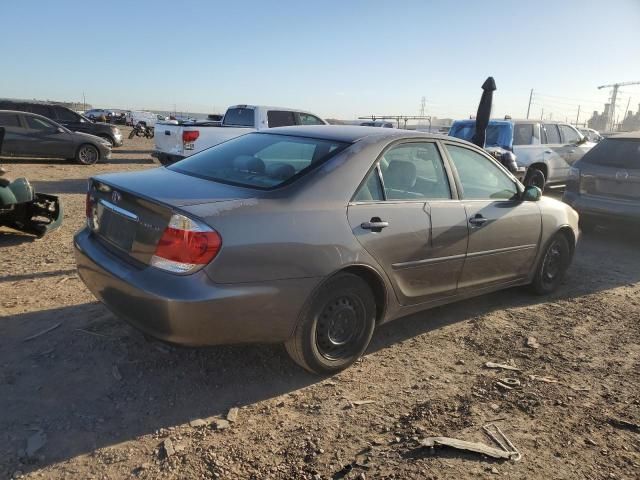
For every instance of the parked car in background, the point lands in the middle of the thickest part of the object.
(604, 185)
(177, 140)
(591, 134)
(313, 236)
(546, 149)
(377, 123)
(67, 118)
(139, 116)
(97, 113)
(30, 135)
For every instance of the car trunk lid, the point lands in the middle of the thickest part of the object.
(129, 212)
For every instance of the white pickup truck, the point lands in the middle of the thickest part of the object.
(176, 140)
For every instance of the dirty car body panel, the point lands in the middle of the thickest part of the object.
(287, 226)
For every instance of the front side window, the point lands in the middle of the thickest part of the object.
(262, 161)
(9, 120)
(616, 153)
(36, 123)
(525, 134)
(414, 171)
(280, 118)
(552, 133)
(480, 178)
(569, 135)
(307, 119)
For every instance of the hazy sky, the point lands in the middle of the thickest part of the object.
(337, 58)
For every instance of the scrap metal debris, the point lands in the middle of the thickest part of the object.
(503, 366)
(507, 450)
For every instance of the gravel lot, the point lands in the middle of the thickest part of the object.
(93, 398)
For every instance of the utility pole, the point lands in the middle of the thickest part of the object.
(84, 103)
(578, 116)
(530, 98)
(542, 114)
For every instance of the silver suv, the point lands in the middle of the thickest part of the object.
(546, 149)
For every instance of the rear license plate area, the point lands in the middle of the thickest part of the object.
(116, 228)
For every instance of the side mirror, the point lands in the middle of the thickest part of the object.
(582, 140)
(59, 130)
(531, 194)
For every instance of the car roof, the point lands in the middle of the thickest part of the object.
(21, 112)
(630, 135)
(349, 133)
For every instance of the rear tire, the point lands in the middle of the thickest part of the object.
(335, 327)
(87, 155)
(535, 177)
(553, 265)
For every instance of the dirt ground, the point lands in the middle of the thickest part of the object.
(94, 399)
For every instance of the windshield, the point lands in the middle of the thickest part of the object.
(616, 153)
(239, 117)
(262, 161)
(498, 135)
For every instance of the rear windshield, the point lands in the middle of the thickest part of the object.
(239, 117)
(618, 153)
(497, 135)
(258, 160)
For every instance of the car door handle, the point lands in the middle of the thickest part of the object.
(477, 221)
(375, 224)
(573, 150)
(548, 151)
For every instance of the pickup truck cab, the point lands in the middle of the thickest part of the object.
(175, 140)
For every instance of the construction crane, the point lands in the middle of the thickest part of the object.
(614, 94)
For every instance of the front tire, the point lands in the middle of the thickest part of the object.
(553, 265)
(87, 154)
(335, 327)
(535, 177)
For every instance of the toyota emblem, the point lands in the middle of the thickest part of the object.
(116, 196)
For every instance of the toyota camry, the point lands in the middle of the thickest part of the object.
(313, 236)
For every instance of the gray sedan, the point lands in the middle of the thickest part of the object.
(313, 236)
(31, 135)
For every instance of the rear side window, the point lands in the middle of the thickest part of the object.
(9, 120)
(44, 110)
(259, 160)
(65, 115)
(239, 117)
(279, 118)
(552, 133)
(617, 153)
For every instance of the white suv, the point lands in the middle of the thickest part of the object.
(546, 149)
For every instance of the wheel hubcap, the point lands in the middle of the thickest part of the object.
(339, 327)
(88, 155)
(552, 262)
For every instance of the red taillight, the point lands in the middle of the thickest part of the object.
(185, 245)
(190, 136)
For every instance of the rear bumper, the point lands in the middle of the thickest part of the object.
(167, 158)
(602, 207)
(190, 309)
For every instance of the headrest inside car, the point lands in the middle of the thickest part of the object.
(280, 171)
(248, 163)
(400, 175)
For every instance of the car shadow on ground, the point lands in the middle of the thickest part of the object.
(88, 380)
(114, 160)
(10, 238)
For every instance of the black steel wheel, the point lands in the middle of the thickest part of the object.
(553, 265)
(535, 178)
(87, 154)
(336, 325)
